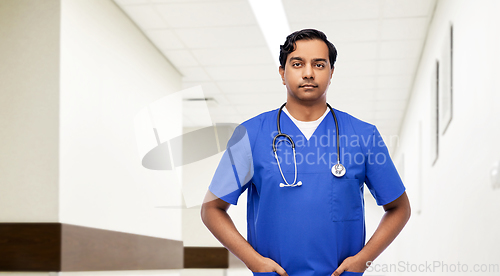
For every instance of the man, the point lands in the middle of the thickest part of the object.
(315, 224)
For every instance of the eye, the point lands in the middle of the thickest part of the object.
(296, 64)
(320, 65)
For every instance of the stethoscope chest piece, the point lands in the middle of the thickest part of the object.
(338, 170)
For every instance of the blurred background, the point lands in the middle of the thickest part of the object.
(89, 87)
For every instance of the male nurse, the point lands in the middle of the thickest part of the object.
(316, 228)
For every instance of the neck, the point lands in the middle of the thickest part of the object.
(306, 112)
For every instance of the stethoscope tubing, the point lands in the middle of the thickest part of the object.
(280, 134)
(336, 132)
(290, 140)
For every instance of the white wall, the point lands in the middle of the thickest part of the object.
(73, 75)
(109, 71)
(196, 178)
(172, 272)
(455, 208)
(29, 108)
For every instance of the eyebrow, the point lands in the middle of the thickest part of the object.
(314, 60)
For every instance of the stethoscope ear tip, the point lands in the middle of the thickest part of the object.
(299, 183)
(282, 185)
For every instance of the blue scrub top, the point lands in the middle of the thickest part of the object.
(308, 230)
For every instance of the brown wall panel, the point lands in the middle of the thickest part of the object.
(206, 257)
(64, 247)
(87, 249)
(30, 246)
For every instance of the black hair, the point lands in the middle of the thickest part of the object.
(306, 34)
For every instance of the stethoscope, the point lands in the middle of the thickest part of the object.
(338, 169)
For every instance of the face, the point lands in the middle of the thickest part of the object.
(307, 72)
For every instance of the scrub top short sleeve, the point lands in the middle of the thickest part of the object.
(235, 169)
(382, 178)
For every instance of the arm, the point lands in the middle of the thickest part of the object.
(396, 215)
(215, 217)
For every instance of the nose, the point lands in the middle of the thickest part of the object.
(308, 72)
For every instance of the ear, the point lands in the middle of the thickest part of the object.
(282, 74)
(331, 75)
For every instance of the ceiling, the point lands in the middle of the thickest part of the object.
(219, 45)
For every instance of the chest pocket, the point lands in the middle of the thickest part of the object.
(347, 202)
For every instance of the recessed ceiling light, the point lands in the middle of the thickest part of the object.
(273, 23)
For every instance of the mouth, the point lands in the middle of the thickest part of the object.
(308, 86)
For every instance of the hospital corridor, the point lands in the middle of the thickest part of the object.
(128, 128)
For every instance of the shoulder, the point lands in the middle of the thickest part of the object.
(257, 125)
(358, 130)
(358, 126)
(254, 124)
